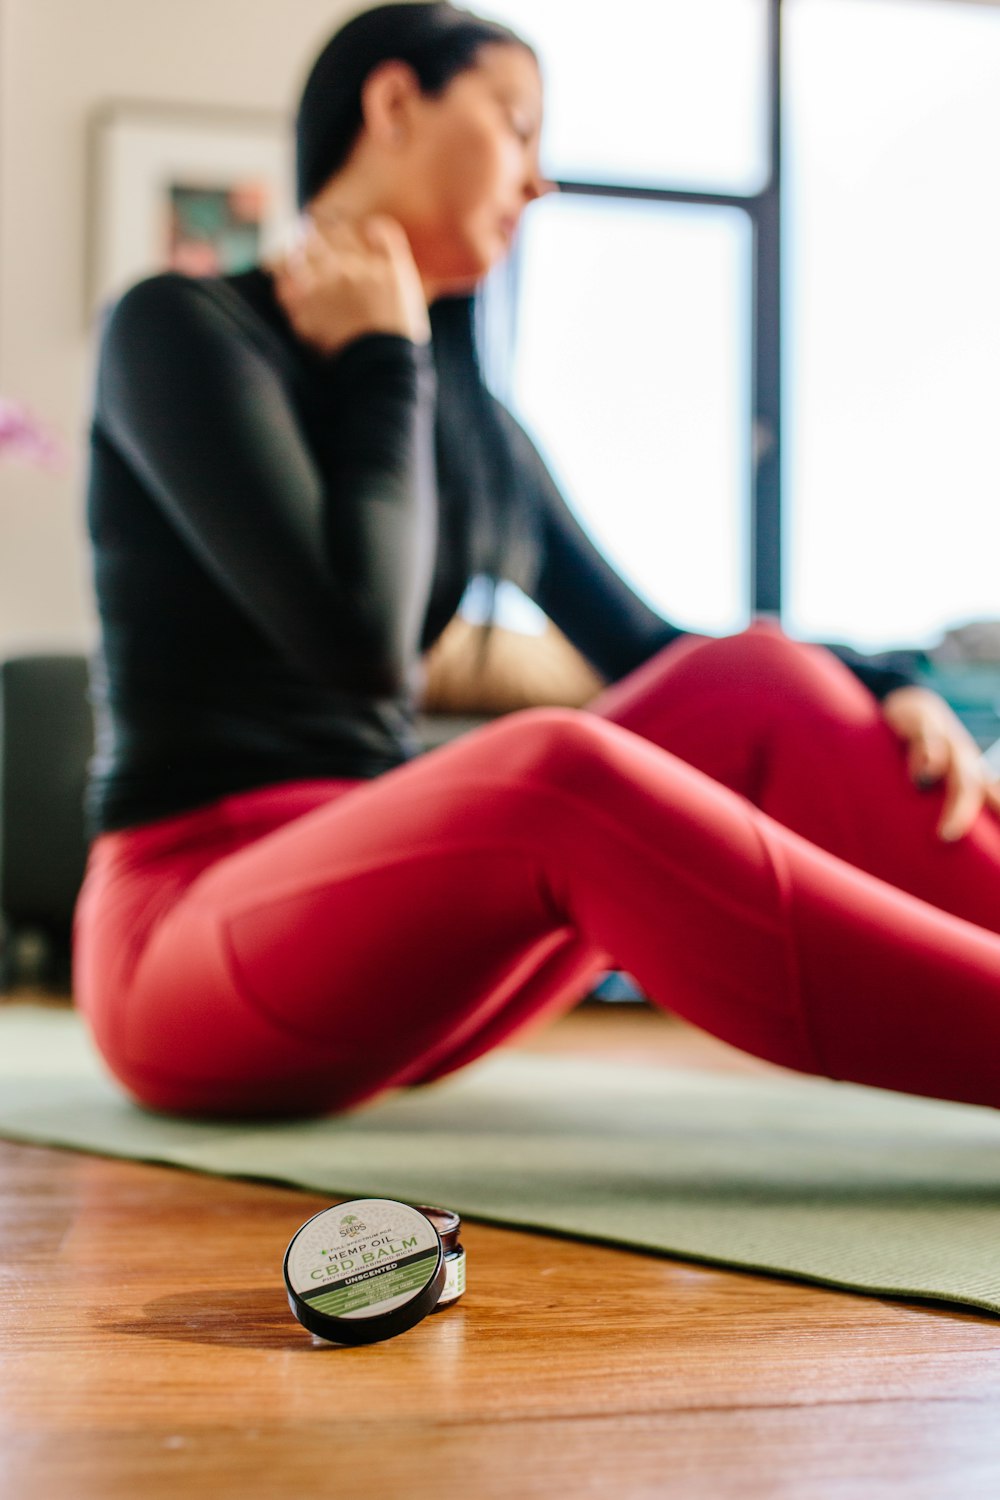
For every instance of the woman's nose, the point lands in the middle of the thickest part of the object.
(537, 186)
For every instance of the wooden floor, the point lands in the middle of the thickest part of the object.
(146, 1351)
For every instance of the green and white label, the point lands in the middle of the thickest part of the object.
(364, 1258)
(454, 1281)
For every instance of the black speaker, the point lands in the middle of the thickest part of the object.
(46, 740)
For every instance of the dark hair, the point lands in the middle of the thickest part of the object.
(437, 40)
(485, 524)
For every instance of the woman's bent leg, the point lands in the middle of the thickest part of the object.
(367, 945)
(790, 727)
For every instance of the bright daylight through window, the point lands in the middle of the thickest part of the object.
(631, 360)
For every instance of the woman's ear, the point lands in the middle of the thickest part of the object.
(388, 98)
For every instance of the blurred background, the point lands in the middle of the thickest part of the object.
(121, 119)
(757, 334)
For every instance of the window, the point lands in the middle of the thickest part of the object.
(633, 363)
(654, 93)
(892, 373)
(632, 368)
(631, 357)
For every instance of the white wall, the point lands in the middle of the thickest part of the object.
(59, 61)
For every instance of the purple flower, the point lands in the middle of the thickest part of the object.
(22, 436)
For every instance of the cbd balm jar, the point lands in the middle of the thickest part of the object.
(449, 1227)
(365, 1270)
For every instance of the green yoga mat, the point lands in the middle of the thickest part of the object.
(845, 1186)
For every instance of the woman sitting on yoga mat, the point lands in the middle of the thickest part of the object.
(295, 472)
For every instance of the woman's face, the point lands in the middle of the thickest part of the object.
(471, 166)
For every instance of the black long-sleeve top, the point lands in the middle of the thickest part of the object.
(268, 561)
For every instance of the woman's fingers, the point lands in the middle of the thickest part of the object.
(364, 238)
(992, 794)
(965, 793)
(938, 745)
(928, 757)
(376, 232)
(387, 235)
(348, 277)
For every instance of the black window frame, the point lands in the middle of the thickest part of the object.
(764, 210)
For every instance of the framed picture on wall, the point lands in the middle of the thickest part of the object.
(200, 191)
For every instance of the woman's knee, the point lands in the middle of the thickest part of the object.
(768, 665)
(545, 743)
(762, 642)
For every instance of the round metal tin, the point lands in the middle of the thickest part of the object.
(364, 1270)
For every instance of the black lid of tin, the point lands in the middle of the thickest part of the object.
(364, 1270)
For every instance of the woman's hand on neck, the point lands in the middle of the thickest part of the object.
(347, 277)
(355, 199)
(358, 193)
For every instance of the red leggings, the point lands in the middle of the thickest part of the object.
(732, 824)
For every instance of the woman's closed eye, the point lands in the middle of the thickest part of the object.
(521, 122)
